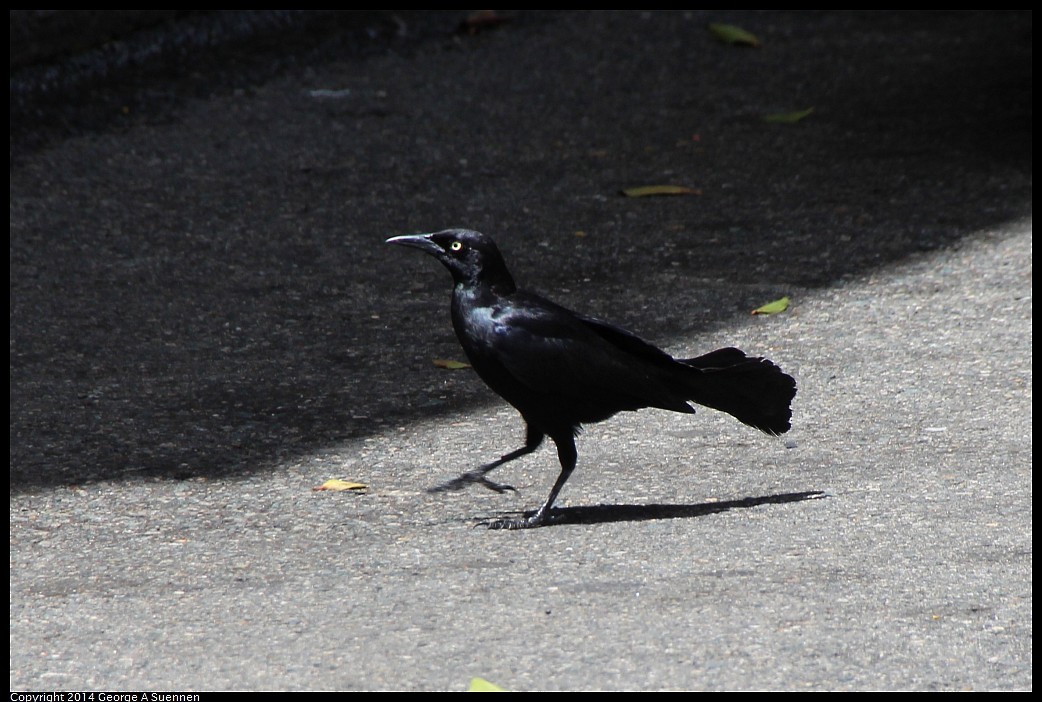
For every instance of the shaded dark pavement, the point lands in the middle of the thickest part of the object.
(206, 291)
(200, 297)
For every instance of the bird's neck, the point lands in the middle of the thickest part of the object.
(494, 281)
(481, 291)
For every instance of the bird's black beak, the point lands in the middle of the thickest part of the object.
(417, 241)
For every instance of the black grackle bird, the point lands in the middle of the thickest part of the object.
(561, 369)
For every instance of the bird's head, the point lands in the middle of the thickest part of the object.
(472, 257)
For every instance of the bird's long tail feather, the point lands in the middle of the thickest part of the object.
(753, 390)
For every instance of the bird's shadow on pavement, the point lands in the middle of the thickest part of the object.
(604, 514)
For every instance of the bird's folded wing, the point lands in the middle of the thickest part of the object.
(626, 340)
(563, 356)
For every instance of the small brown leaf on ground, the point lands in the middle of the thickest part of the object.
(449, 364)
(479, 20)
(735, 36)
(788, 117)
(652, 190)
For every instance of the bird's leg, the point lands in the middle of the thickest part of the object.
(567, 455)
(532, 440)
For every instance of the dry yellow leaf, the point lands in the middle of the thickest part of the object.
(482, 685)
(338, 485)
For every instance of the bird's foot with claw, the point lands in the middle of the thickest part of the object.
(540, 518)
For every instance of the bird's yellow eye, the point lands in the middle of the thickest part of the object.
(456, 246)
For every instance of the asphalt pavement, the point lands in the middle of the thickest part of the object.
(205, 325)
